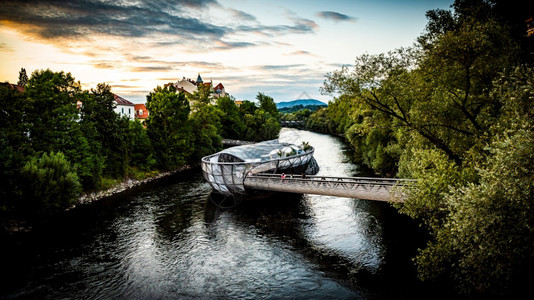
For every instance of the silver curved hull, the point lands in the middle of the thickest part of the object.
(228, 177)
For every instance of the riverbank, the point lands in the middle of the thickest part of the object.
(126, 185)
(16, 224)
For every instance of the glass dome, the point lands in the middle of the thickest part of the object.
(226, 170)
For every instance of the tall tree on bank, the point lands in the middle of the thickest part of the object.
(53, 117)
(267, 104)
(14, 144)
(205, 123)
(52, 99)
(168, 127)
(460, 121)
(106, 133)
(231, 121)
(23, 77)
(112, 130)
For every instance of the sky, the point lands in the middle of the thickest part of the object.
(283, 49)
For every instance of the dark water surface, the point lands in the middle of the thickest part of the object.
(169, 242)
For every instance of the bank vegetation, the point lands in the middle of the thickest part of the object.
(58, 141)
(455, 112)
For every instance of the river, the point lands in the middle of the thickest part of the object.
(168, 241)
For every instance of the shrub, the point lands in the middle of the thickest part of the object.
(51, 184)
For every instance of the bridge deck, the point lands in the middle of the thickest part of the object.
(382, 189)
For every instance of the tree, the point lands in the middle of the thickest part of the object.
(231, 121)
(206, 128)
(142, 156)
(261, 126)
(52, 114)
(168, 127)
(247, 107)
(53, 118)
(482, 217)
(459, 121)
(201, 95)
(111, 129)
(23, 77)
(51, 184)
(14, 119)
(267, 105)
(439, 93)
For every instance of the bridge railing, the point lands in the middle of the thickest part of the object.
(370, 188)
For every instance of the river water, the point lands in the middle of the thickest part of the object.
(168, 241)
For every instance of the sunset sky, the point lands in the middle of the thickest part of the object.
(280, 48)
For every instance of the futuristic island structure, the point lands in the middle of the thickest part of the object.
(226, 170)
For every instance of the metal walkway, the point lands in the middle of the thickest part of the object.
(381, 189)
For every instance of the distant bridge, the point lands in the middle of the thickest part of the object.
(292, 123)
(381, 189)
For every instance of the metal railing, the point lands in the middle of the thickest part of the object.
(381, 189)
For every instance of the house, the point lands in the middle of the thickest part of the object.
(190, 86)
(16, 87)
(186, 85)
(124, 107)
(219, 90)
(141, 113)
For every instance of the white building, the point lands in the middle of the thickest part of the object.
(190, 86)
(124, 107)
(186, 85)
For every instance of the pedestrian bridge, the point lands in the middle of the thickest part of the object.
(381, 189)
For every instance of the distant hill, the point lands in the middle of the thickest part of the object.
(303, 102)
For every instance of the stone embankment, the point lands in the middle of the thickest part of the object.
(124, 186)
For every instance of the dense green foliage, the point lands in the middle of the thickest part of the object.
(168, 127)
(207, 128)
(232, 122)
(299, 107)
(57, 140)
(455, 112)
(52, 184)
(249, 122)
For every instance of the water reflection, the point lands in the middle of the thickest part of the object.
(172, 242)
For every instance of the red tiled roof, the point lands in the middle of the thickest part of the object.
(220, 86)
(121, 100)
(18, 88)
(138, 107)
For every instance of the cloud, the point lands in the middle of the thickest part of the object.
(150, 68)
(125, 86)
(105, 65)
(335, 16)
(222, 45)
(279, 67)
(243, 16)
(165, 23)
(52, 19)
(302, 52)
(5, 48)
